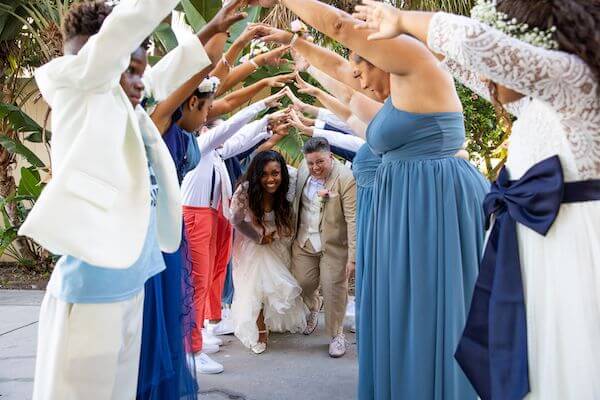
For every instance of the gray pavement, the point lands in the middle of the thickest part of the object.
(294, 366)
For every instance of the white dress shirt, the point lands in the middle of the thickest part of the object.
(344, 141)
(310, 214)
(327, 117)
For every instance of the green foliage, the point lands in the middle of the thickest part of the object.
(484, 134)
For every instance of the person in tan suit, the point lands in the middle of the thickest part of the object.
(323, 252)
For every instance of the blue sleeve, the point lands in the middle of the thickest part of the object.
(345, 154)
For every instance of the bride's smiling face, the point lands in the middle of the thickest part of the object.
(271, 177)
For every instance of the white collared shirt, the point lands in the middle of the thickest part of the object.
(310, 214)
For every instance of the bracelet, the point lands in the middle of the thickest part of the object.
(256, 66)
(294, 39)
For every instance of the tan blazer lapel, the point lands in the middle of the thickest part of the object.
(329, 184)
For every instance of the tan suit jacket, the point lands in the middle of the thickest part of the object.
(337, 221)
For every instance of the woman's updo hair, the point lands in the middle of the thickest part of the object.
(577, 24)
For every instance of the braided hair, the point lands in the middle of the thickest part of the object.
(577, 24)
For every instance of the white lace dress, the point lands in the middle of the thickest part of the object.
(561, 271)
(262, 278)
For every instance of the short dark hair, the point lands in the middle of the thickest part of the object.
(316, 144)
(85, 19)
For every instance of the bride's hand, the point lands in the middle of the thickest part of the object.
(268, 239)
(383, 18)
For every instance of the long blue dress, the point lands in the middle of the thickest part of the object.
(364, 167)
(428, 235)
(166, 373)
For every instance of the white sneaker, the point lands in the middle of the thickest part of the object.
(206, 365)
(225, 327)
(209, 338)
(208, 348)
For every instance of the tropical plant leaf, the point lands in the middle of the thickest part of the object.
(19, 121)
(14, 145)
(207, 8)
(193, 14)
(165, 35)
(30, 185)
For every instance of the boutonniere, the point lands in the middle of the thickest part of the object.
(324, 195)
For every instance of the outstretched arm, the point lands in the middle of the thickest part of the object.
(164, 110)
(241, 96)
(337, 24)
(241, 72)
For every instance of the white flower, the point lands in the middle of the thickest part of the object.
(296, 26)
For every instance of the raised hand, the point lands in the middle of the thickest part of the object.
(273, 100)
(297, 123)
(228, 15)
(251, 32)
(274, 57)
(279, 81)
(301, 63)
(381, 17)
(278, 117)
(271, 34)
(304, 87)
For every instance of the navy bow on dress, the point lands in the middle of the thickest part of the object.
(493, 349)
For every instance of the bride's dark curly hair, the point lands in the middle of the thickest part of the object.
(577, 24)
(281, 206)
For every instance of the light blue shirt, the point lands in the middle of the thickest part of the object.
(75, 281)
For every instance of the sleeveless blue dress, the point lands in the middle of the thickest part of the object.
(428, 237)
(166, 373)
(364, 168)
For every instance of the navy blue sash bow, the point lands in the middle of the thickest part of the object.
(493, 349)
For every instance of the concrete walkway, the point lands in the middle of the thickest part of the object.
(294, 367)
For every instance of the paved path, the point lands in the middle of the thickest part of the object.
(294, 367)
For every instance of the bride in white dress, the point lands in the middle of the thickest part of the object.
(555, 96)
(267, 297)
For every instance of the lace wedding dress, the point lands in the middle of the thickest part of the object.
(261, 277)
(560, 115)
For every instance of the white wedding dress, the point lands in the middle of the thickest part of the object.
(262, 280)
(561, 271)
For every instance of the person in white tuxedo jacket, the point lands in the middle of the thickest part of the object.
(113, 203)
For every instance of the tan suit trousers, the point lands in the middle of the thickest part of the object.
(311, 269)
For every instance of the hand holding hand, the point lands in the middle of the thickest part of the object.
(279, 81)
(297, 123)
(383, 18)
(297, 103)
(270, 34)
(304, 87)
(273, 57)
(273, 100)
(268, 239)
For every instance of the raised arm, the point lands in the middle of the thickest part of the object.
(217, 136)
(552, 76)
(242, 71)
(164, 110)
(245, 138)
(223, 66)
(101, 61)
(99, 64)
(241, 96)
(409, 55)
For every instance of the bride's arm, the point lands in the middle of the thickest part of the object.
(240, 214)
(561, 79)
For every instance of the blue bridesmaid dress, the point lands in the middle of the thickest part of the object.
(427, 239)
(166, 373)
(364, 167)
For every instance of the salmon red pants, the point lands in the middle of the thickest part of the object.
(209, 240)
